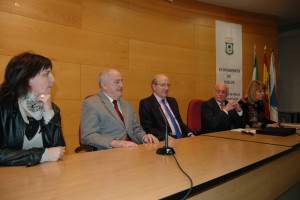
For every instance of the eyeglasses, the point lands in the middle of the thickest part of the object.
(164, 84)
(221, 91)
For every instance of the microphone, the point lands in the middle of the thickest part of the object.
(165, 150)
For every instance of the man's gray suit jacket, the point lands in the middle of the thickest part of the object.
(100, 123)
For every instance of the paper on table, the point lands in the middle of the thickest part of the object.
(244, 130)
(297, 126)
(238, 129)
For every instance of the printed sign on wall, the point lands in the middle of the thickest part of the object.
(229, 58)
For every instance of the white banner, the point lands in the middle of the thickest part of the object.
(229, 58)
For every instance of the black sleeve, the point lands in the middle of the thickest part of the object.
(238, 121)
(245, 109)
(52, 130)
(17, 157)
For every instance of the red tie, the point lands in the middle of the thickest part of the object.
(127, 138)
(222, 107)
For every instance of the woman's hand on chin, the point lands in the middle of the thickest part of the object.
(46, 100)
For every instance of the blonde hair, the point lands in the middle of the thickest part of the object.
(253, 87)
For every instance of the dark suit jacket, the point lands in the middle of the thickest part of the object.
(213, 119)
(152, 120)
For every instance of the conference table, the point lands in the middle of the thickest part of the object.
(289, 141)
(220, 168)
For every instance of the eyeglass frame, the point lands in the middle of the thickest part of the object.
(163, 84)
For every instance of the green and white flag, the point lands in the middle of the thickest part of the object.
(255, 69)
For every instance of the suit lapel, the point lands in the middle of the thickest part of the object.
(155, 106)
(172, 106)
(110, 107)
(215, 105)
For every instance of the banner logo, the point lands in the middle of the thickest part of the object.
(229, 46)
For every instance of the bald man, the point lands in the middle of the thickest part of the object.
(109, 121)
(218, 114)
(158, 107)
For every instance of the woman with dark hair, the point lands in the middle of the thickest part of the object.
(253, 106)
(30, 124)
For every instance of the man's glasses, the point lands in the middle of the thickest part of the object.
(164, 84)
(221, 91)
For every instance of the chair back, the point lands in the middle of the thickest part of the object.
(194, 115)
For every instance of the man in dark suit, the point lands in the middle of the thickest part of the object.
(109, 121)
(151, 117)
(218, 114)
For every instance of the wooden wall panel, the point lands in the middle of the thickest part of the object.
(205, 38)
(60, 43)
(195, 12)
(261, 29)
(3, 62)
(67, 12)
(67, 84)
(186, 10)
(182, 86)
(207, 65)
(248, 63)
(136, 23)
(136, 84)
(162, 58)
(89, 80)
(261, 41)
(204, 86)
(70, 114)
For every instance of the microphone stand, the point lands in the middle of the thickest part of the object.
(165, 150)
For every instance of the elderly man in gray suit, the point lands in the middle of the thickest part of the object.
(109, 121)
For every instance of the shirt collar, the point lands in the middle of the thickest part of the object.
(158, 98)
(109, 98)
(220, 103)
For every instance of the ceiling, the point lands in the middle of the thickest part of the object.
(287, 11)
